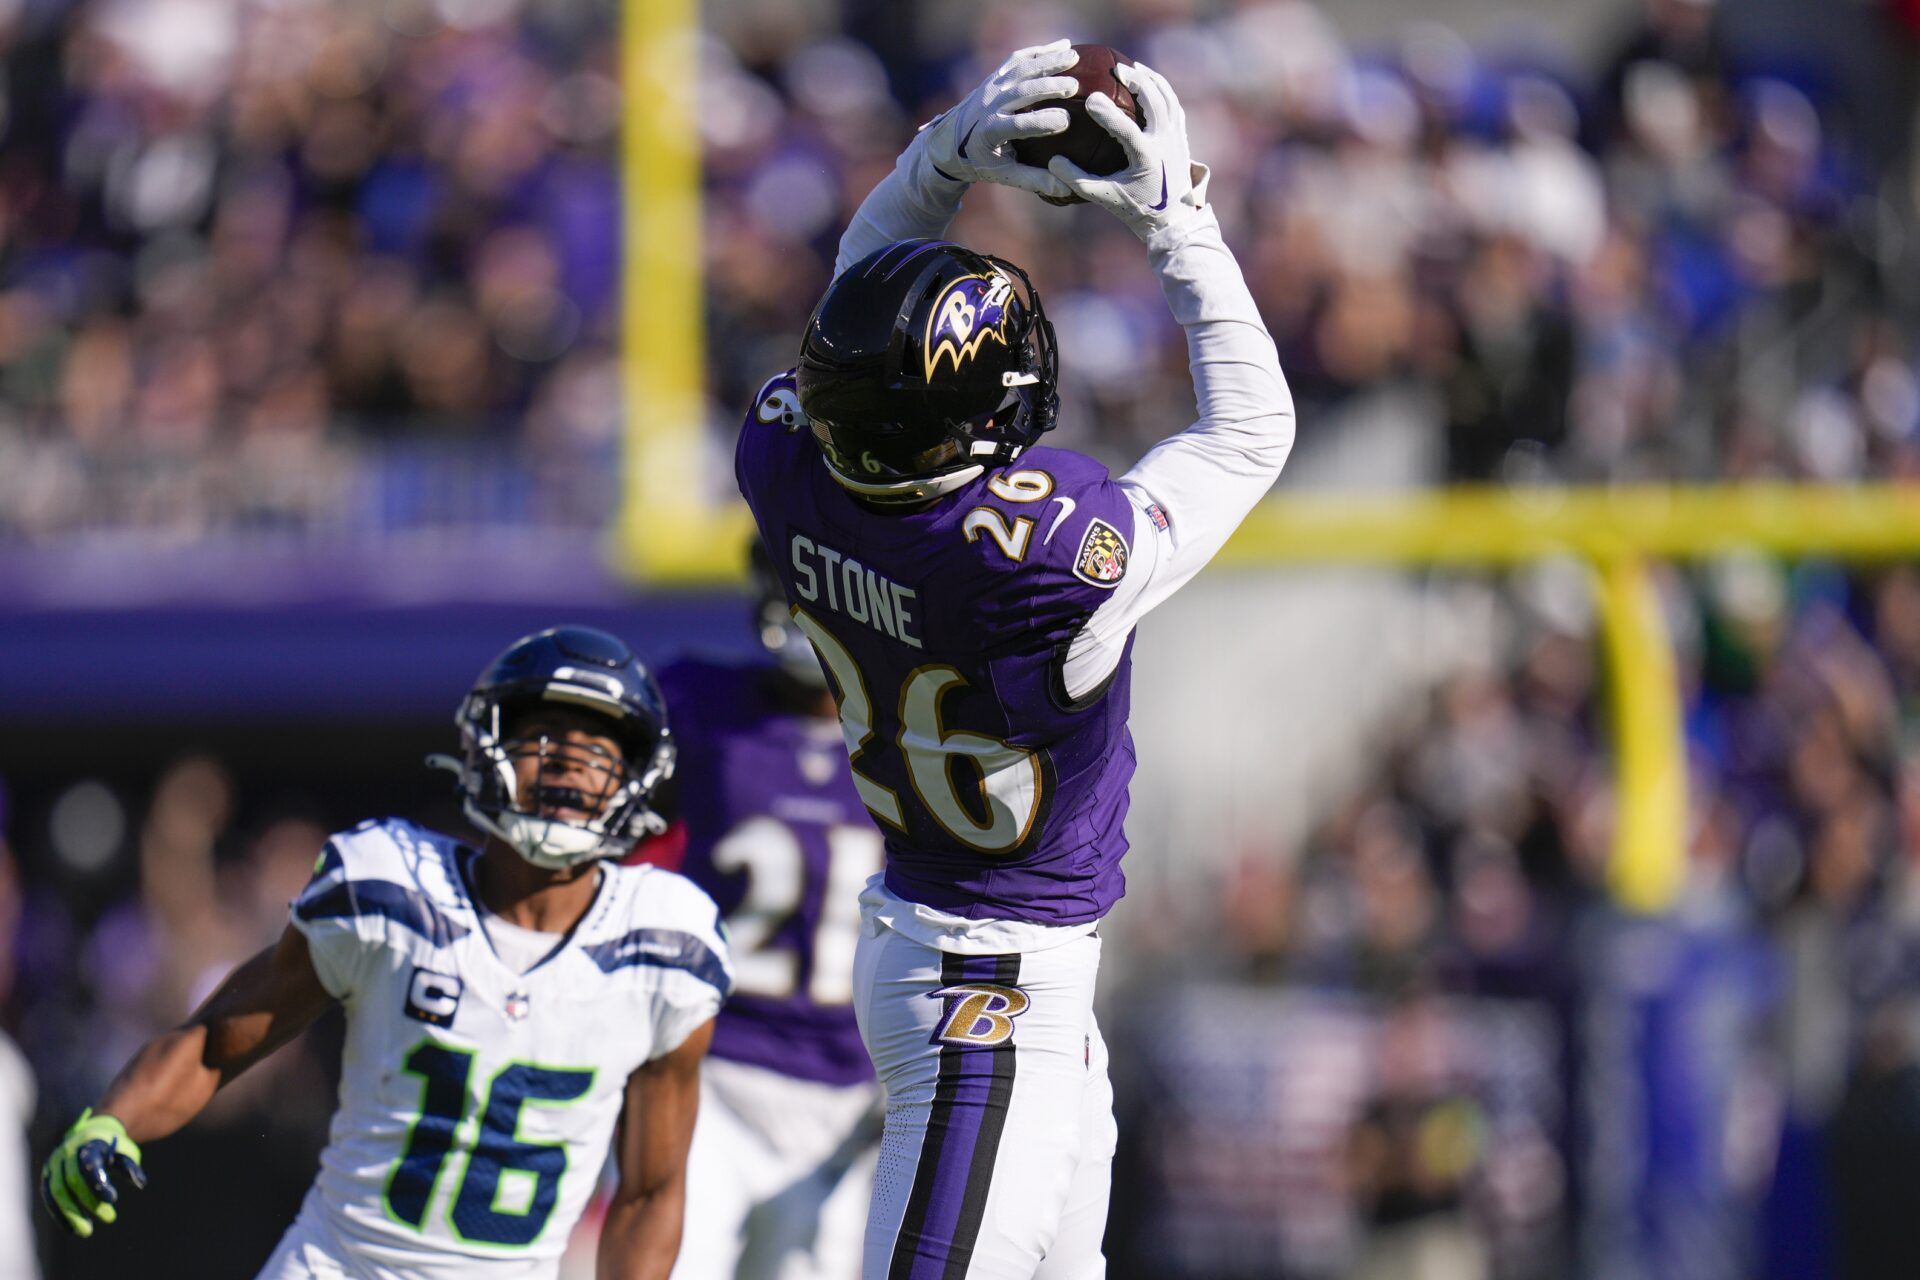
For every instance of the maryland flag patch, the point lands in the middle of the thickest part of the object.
(1103, 556)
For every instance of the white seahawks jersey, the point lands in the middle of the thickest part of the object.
(477, 1103)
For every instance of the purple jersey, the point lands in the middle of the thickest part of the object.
(943, 630)
(776, 835)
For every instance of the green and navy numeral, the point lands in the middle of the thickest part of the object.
(500, 1150)
(497, 1150)
(443, 1074)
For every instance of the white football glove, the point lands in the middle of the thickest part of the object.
(973, 140)
(1161, 185)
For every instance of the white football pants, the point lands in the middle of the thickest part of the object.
(778, 1178)
(998, 1151)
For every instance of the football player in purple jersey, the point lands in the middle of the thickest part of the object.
(783, 1152)
(973, 597)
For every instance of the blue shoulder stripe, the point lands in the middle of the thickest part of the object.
(663, 949)
(409, 908)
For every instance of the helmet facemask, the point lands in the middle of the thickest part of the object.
(605, 792)
(1032, 402)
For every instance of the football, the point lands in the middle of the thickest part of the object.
(1084, 141)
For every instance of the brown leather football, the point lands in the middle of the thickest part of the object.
(1084, 141)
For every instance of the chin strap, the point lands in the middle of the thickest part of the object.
(541, 841)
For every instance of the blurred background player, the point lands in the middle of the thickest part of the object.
(783, 1153)
(16, 1109)
(17, 1090)
(974, 598)
(508, 1009)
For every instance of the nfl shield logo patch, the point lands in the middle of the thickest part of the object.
(1103, 556)
(519, 1005)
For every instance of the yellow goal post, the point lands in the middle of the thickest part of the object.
(1619, 532)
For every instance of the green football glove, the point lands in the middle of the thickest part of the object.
(77, 1184)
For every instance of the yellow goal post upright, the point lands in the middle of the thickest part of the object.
(1619, 532)
(668, 532)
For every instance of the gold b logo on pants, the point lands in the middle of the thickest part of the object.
(979, 1014)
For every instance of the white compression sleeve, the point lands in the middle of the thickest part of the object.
(1206, 479)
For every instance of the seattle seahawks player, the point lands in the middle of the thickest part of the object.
(783, 1153)
(973, 597)
(511, 1011)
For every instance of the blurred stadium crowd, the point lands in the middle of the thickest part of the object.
(315, 266)
(259, 258)
(1483, 1054)
(325, 264)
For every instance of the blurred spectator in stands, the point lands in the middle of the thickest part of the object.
(1680, 35)
(1508, 388)
(1876, 1144)
(1415, 1152)
(322, 265)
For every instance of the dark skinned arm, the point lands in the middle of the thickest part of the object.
(641, 1237)
(262, 1005)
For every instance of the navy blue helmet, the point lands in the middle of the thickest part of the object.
(585, 670)
(925, 364)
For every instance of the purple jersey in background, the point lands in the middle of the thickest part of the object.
(777, 835)
(943, 629)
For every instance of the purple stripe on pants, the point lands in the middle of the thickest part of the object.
(971, 1094)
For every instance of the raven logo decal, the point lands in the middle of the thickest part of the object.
(969, 311)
